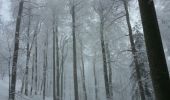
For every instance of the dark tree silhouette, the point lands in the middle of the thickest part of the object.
(155, 52)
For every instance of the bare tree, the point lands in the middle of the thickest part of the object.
(15, 54)
(73, 16)
(134, 51)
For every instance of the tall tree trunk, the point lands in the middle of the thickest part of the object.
(110, 70)
(28, 52)
(36, 63)
(83, 71)
(54, 80)
(45, 69)
(15, 54)
(63, 57)
(23, 81)
(57, 64)
(74, 54)
(155, 51)
(32, 78)
(95, 78)
(138, 75)
(9, 73)
(104, 57)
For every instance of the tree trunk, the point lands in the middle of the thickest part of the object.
(15, 54)
(36, 63)
(28, 52)
(57, 64)
(32, 78)
(63, 57)
(138, 75)
(54, 80)
(45, 69)
(83, 72)
(110, 70)
(155, 51)
(95, 78)
(74, 54)
(104, 57)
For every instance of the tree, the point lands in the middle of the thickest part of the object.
(143, 67)
(155, 51)
(134, 52)
(109, 70)
(57, 62)
(101, 12)
(63, 58)
(73, 6)
(28, 50)
(95, 78)
(15, 54)
(83, 70)
(54, 69)
(45, 66)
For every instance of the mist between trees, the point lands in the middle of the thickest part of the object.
(84, 49)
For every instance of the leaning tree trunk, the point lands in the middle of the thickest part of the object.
(155, 51)
(15, 54)
(134, 51)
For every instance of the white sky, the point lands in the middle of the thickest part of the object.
(5, 10)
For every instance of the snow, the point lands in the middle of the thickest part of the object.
(4, 91)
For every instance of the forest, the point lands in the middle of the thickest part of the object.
(84, 49)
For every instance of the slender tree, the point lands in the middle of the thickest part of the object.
(54, 69)
(76, 96)
(83, 71)
(57, 62)
(134, 51)
(109, 70)
(95, 78)
(36, 60)
(32, 75)
(28, 50)
(15, 54)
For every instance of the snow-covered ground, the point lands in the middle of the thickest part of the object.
(4, 91)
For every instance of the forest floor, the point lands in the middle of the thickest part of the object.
(4, 85)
